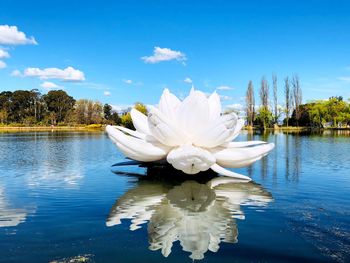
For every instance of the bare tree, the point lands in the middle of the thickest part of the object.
(287, 99)
(297, 97)
(265, 115)
(275, 102)
(250, 103)
(264, 93)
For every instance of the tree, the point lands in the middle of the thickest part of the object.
(265, 117)
(5, 106)
(115, 119)
(97, 113)
(37, 105)
(59, 103)
(264, 93)
(126, 119)
(5, 100)
(275, 101)
(88, 111)
(3, 116)
(287, 95)
(107, 111)
(336, 106)
(264, 112)
(141, 107)
(20, 105)
(250, 103)
(297, 97)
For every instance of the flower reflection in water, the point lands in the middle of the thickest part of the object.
(198, 215)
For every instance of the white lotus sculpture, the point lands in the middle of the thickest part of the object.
(192, 135)
(199, 216)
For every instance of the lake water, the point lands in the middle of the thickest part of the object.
(61, 201)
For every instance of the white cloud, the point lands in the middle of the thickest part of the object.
(121, 108)
(107, 93)
(127, 81)
(67, 74)
(49, 85)
(164, 54)
(9, 35)
(236, 106)
(188, 80)
(4, 53)
(224, 97)
(2, 64)
(16, 73)
(224, 88)
(347, 79)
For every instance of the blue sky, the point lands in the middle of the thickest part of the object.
(217, 43)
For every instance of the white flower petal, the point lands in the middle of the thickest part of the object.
(169, 104)
(140, 121)
(243, 144)
(133, 133)
(217, 132)
(135, 148)
(238, 128)
(240, 157)
(164, 130)
(193, 113)
(190, 159)
(214, 106)
(220, 170)
(147, 138)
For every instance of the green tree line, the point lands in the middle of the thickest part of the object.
(27, 108)
(333, 112)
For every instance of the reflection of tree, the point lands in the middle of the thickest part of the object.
(10, 216)
(293, 153)
(198, 215)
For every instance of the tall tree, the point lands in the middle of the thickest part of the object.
(250, 103)
(265, 114)
(88, 111)
(20, 105)
(5, 106)
(264, 93)
(287, 96)
(107, 111)
(297, 97)
(59, 103)
(275, 100)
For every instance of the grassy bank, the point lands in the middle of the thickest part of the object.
(92, 127)
(297, 129)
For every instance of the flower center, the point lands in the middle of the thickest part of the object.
(190, 159)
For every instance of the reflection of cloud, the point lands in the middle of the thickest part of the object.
(10, 216)
(54, 169)
(199, 216)
(49, 175)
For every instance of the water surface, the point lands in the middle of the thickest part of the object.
(61, 201)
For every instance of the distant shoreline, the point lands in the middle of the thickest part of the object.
(297, 129)
(95, 128)
(51, 128)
